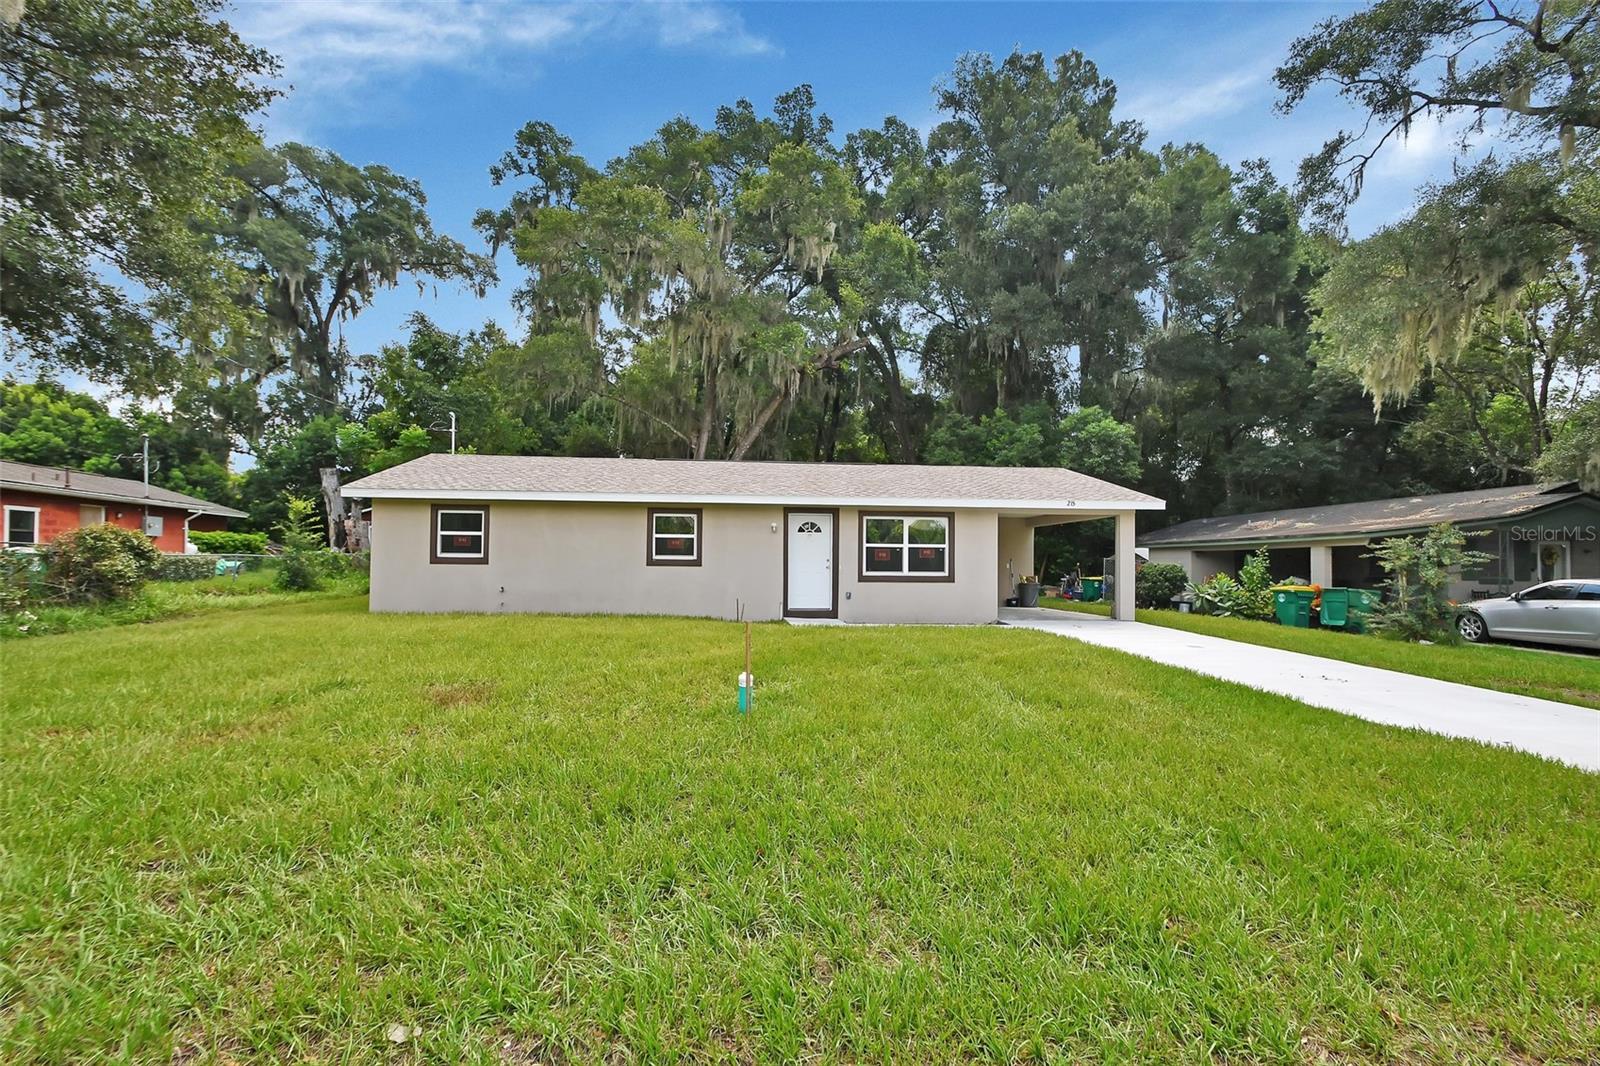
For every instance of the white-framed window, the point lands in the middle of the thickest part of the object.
(460, 535)
(674, 537)
(91, 514)
(911, 547)
(22, 527)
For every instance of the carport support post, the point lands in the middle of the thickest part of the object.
(1322, 565)
(1123, 607)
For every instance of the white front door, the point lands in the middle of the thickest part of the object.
(808, 586)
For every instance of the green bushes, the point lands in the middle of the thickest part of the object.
(1248, 597)
(1157, 583)
(21, 580)
(1414, 605)
(93, 564)
(185, 567)
(226, 542)
(301, 567)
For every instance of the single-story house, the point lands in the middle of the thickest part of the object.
(858, 543)
(1534, 533)
(40, 503)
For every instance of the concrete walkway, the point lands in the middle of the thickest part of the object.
(1557, 731)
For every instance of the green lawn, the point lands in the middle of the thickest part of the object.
(272, 835)
(161, 600)
(1527, 671)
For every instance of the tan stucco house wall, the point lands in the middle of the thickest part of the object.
(758, 540)
(590, 558)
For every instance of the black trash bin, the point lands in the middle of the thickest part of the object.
(1027, 594)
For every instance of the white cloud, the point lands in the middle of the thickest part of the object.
(1423, 150)
(1169, 108)
(333, 45)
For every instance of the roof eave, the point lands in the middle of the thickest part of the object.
(198, 506)
(1302, 539)
(1148, 503)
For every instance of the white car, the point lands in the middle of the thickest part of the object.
(1556, 612)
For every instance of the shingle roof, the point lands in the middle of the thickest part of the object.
(1397, 515)
(59, 481)
(441, 476)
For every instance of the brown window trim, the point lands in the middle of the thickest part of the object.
(433, 535)
(949, 547)
(650, 537)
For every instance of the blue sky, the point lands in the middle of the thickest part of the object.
(436, 90)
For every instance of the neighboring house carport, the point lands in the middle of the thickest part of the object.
(1533, 533)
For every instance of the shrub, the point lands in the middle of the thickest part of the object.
(186, 567)
(227, 542)
(1248, 597)
(92, 564)
(302, 565)
(21, 580)
(1157, 583)
(1414, 605)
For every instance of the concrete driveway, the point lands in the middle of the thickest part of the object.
(1557, 731)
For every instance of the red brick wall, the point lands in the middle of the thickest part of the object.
(57, 514)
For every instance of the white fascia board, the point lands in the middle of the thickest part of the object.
(491, 495)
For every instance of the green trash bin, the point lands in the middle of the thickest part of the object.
(1092, 587)
(1362, 603)
(1293, 604)
(1335, 609)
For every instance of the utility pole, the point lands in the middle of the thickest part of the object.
(146, 464)
(436, 427)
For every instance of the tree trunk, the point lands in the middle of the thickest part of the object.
(825, 361)
(708, 413)
(355, 540)
(759, 424)
(905, 448)
(333, 503)
(830, 426)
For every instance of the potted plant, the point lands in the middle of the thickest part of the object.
(1028, 591)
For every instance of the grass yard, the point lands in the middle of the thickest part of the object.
(161, 600)
(1526, 671)
(277, 834)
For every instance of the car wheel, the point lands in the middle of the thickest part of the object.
(1470, 626)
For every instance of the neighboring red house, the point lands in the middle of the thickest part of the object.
(40, 503)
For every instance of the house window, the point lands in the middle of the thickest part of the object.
(91, 514)
(460, 535)
(907, 547)
(674, 538)
(22, 527)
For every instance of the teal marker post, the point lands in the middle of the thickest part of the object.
(747, 680)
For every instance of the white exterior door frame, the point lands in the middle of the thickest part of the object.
(811, 562)
(1562, 568)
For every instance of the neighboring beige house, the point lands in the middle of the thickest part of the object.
(859, 543)
(1534, 533)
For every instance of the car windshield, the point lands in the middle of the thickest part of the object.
(1553, 591)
